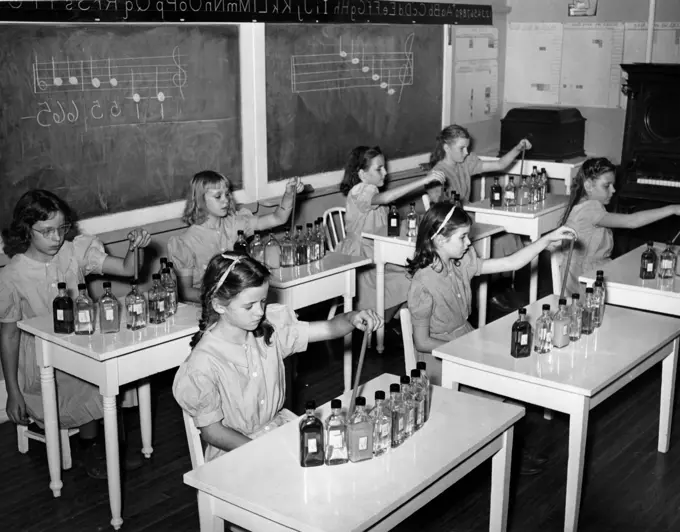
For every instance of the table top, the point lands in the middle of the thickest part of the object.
(624, 273)
(332, 263)
(477, 232)
(625, 339)
(264, 477)
(553, 202)
(106, 346)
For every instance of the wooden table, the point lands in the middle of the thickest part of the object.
(574, 379)
(261, 486)
(624, 286)
(331, 277)
(108, 361)
(396, 250)
(530, 220)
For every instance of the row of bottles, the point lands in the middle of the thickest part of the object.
(665, 265)
(366, 434)
(532, 190)
(394, 221)
(566, 325)
(79, 316)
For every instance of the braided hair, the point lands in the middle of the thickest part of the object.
(245, 273)
(590, 169)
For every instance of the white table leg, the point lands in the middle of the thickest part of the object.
(209, 522)
(49, 400)
(347, 357)
(380, 301)
(484, 252)
(144, 394)
(112, 459)
(668, 369)
(533, 281)
(578, 432)
(500, 484)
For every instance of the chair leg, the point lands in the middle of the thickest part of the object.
(22, 438)
(66, 462)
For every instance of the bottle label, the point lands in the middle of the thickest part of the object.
(401, 423)
(650, 266)
(565, 329)
(60, 314)
(108, 314)
(83, 316)
(411, 416)
(311, 445)
(137, 308)
(509, 194)
(411, 224)
(666, 264)
(524, 339)
(335, 438)
(421, 412)
(363, 443)
(161, 306)
(385, 430)
(393, 222)
(496, 196)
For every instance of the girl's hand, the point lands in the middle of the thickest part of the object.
(436, 176)
(139, 238)
(562, 233)
(294, 185)
(366, 320)
(16, 409)
(524, 144)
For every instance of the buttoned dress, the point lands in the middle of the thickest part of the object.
(242, 386)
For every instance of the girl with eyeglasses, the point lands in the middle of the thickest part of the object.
(44, 251)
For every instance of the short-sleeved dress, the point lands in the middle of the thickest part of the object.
(362, 216)
(594, 246)
(241, 386)
(27, 289)
(441, 298)
(191, 251)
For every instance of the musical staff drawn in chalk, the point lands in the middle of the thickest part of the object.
(358, 68)
(152, 76)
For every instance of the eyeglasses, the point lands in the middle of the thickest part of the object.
(51, 232)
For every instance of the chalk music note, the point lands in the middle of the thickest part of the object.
(55, 79)
(159, 94)
(355, 60)
(343, 54)
(374, 77)
(180, 78)
(71, 79)
(383, 84)
(113, 81)
(39, 83)
(364, 66)
(96, 83)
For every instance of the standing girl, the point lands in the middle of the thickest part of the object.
(591, 190)
(367, 211)
(233, 383)
(41, 256)
(440, 296)
(213, 223)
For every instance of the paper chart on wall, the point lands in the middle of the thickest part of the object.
(475, 91)
(591, 55)
(533, 62)
(476, 42)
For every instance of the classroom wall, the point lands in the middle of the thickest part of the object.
(604, 127)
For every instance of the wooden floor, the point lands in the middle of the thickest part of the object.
(628, 485)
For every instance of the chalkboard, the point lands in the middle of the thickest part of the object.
(116, 118)
(333, 87)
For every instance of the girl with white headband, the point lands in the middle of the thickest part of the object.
(233, 383)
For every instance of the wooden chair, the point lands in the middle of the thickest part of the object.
(334, 235)
(407, 337)
(24, 434)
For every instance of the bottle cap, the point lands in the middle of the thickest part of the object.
(360, 401)
(298, 227)
(522, 311)
(133, 282)
(394, 388)
(170, 266)
(309, 224)
(563, 301)
(575, 296)
(415, 373)
(61, 285)
(650, 243)
(405, 379)
(589, 290)
(546, 307)
(599, 273)
(82, 286)
(421, 365)
(336, 403)
(155, 276)
(107, 284)
(310, 405)
(598, 282)
(380, 395)
(239, 232)
(413, 204)
(165, 270)
(164, 260)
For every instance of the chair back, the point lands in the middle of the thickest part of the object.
(407, 337)
(194, 441)
(426, 201)
(335, 233)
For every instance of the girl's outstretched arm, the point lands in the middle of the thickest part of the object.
(390, 196)
(505, 161)
(343, 324)
(422, 340)
(525, 255)
(125, 267)
(223, 437)
(282, 213)
(638, 219)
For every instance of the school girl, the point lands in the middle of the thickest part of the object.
(233, 383)
(214, 221)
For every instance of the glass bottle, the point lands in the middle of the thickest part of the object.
(524, 193)
(561, 322)
(84, 311)
(575, 318)
(62, 311)
(272, 253)
(648, 262)
(300, 246)
(173, 274)
(409, 406)
(135, 306)
(398, 411)
(520, 343)
(311, 438)
(287, 251)
(336, 435)
(360, 433)
(310, 243)
(412, 222)
(425, 385)
(256, 248)
(457, 201)
(241, 244)
(157, 300)
(544, 331)
(589, 306)
(602, 295)
(164, 264)
(393, 221)
(510, 190)
(667, 262)
(170, 293)
(109, 312)
(535, 186)
(544, 184)
(496, 194)
(314, 241)
(598, 302)
(321, 237)
(418, 400)
(382, 424)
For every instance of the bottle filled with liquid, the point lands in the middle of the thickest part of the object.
(360, 433)
(544, 184)
(164, 264)
(544, 331)
(602, 294)
(314, 241)
(598, 302)
(241, 245)
(381, 416)
(311, 438)
(256, 248)
(321, 237)
(393, 221)
(336, 435)
(170, 293)
(398, 416)
(62, 311)
(300, 246)
(510, 191)
(648, 262)
(272, 253)
(667, 262)
(575, 318)
(496, 194)
(535, 186)
(520, 341)
(457, 201)
(523, 193)
(84, 311)
(418, 400)
(412, 222)
(310, 242)
(425, 385)
(409, 406)
(561, 321)
(157, 299)
(287, 251)
(589, 309)
(136, 309)
(109, 311)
